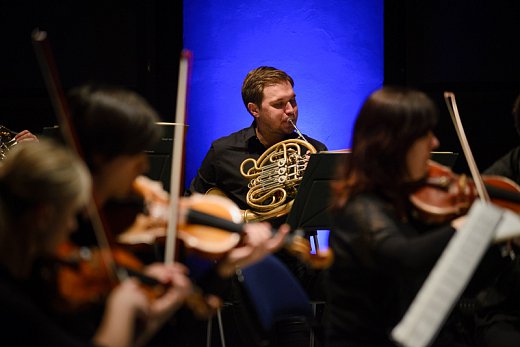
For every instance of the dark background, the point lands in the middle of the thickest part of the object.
(131, 43)
(468, 47)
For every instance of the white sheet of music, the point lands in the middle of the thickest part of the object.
(509, 227)
(449, 277)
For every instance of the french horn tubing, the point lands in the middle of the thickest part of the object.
(275, 177)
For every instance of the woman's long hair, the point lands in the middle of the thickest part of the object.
(390, 121)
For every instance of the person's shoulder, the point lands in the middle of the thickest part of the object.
(320, 146)
(505, 165)
(235, 138)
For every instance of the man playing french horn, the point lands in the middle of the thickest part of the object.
(260, 167)
(256, 167)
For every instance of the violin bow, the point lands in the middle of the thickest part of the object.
(176, 173)
(449, 97)
(177, 154)
(50, 74)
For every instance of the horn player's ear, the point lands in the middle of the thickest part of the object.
(253, 109)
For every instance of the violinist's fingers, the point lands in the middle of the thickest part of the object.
(277, 241)
(25, 135)
(457, 223)
(236, 258)
(174, 297)
(166, 273)
(128, 296)
(257, 233)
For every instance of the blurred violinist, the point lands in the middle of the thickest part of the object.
(114, 127)
(42, 188)
(382, 254)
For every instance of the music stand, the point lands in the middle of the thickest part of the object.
(312, 202)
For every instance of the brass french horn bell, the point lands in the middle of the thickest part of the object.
(275, 177)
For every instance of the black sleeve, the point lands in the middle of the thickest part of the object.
(418, 251)
(507, 166)
(392, 242)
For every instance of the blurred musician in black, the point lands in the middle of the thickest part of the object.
(42, 188)
(382, 252)
(115, 126)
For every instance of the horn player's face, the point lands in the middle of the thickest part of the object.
(278, 106)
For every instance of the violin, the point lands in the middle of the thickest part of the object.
(150, 223)
(83, 277)
(211, 226)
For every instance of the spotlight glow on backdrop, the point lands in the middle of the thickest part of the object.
(333, 50)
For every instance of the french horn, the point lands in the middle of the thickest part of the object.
(7, 140)
(274, 178)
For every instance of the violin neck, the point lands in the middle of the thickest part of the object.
(197, 217)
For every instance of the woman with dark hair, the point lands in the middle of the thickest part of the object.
(382, 256)
(114, 127)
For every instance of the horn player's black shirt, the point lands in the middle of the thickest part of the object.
(221, 166)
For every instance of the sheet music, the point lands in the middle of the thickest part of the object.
(509, 227)
(449, 277)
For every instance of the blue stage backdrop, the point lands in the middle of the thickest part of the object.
(333, 50)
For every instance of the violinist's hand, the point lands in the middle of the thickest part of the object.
(258, 242)
(175, 276)
(457, 223)
(25, 135)
(125, 303)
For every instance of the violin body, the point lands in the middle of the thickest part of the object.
(85, 276)
(446, 195)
